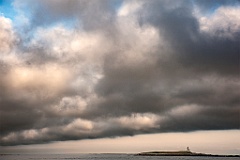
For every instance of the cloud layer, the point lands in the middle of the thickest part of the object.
(92, 69)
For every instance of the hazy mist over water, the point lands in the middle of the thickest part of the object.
(105, 157)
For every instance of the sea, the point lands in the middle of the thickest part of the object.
(103, 157)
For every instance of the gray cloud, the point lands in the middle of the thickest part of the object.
(121, 69)
(193, 48)
(88, 14)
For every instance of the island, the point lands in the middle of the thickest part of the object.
(181, 153)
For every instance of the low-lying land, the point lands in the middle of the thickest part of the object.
(181, 153)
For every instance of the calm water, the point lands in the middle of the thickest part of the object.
(102, 157)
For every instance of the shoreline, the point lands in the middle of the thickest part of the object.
(182, 153)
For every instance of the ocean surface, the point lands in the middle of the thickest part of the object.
(103, 157)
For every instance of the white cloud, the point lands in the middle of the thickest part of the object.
(70, 106)
(224, 22)
(7, 36)
(139, 121)
(35, 82)
(129, 7)
(8, 40)
(185, 110)
(137, 43)
(67, 44)
(10, 137)
(30, 134)
(78, 127)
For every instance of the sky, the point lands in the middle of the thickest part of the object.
(119, 76)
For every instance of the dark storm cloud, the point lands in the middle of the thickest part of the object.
(193, 49)
(195, 56)
(143, 67)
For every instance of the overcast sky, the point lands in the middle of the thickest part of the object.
(87, 69)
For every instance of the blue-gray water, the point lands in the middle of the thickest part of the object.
(103, 157)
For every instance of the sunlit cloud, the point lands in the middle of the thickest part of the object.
(85, 69)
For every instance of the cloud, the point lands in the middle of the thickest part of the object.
(6, 35)
(91, 15)
(193, 49)
(90, 69)
(223, 23)
(139, 121)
